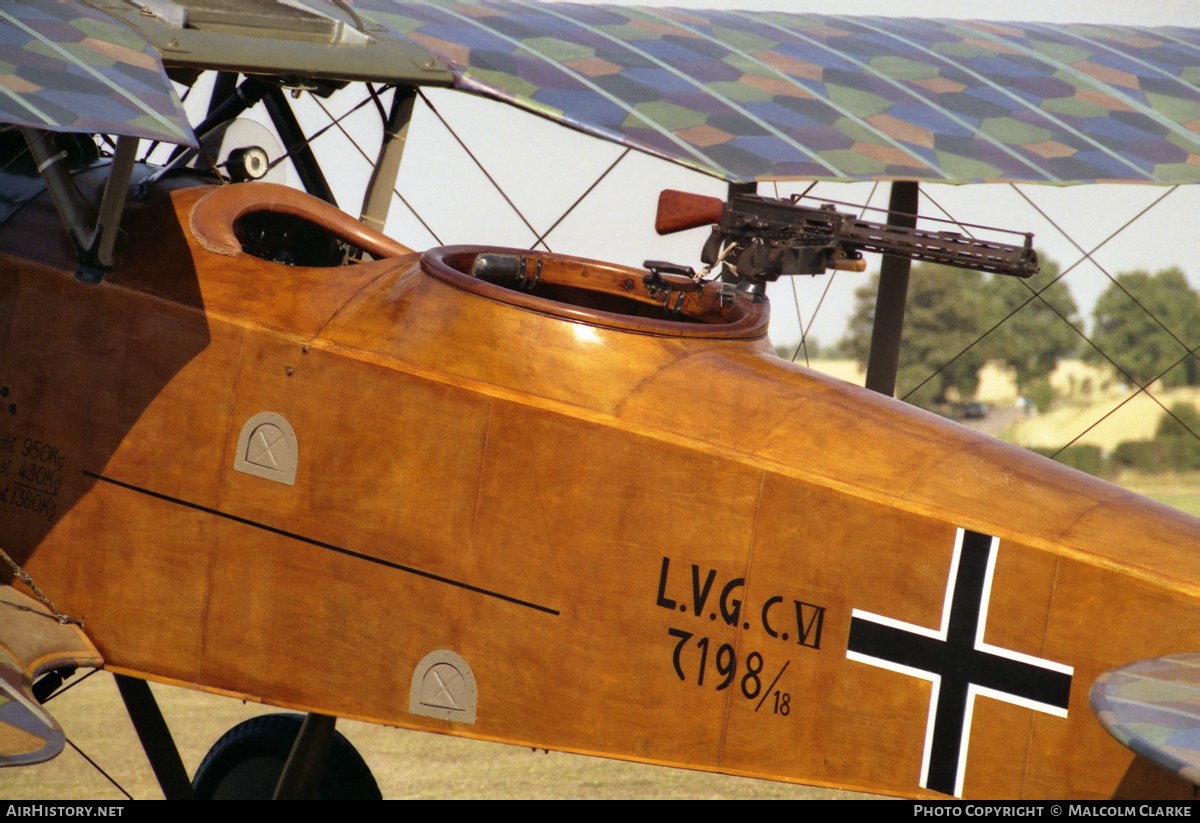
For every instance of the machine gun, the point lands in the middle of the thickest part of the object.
(757, 239)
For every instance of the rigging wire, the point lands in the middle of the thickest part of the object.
(308, 141)
(14, 158)
(1039, 295)
(812, 319)
(69, 686)
(804, 332)
(1036, 294)
(803, 344)
(542, 238)
(1188, 351)
(475, 159)
(154, 144)
(333, 121)
(71, 743)
(1140, 390)
(96, 766)
(395, 190)
(1088, 256)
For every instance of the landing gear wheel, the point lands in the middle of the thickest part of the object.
(245, 764)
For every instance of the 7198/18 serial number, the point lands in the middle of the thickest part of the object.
(725, 662)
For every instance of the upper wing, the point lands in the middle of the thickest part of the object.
(740, 95)
(67, 68)
(287, 38)
(767, 95)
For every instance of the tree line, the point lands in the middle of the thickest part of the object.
(1145, 327)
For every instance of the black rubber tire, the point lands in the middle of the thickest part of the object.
(246, 762)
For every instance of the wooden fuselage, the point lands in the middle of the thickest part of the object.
(646, 542)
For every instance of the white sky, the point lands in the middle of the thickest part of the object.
(544, 167)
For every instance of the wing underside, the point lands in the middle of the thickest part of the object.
(65, 67)
(739, 95)
(1153, 708)
(768, 95)
(33, 642)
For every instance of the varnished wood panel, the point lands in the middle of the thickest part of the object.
(644, 546)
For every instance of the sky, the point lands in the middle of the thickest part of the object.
(543, 168)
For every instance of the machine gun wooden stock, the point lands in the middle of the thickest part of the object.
(760, 238)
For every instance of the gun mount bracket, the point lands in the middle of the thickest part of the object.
(671, 294)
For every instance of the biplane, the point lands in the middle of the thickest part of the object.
(252, 445)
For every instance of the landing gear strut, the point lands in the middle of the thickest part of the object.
(275, 756)
(278, 756)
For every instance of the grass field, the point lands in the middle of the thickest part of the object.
(1178, 491)
(407, 765)
(1105, 420)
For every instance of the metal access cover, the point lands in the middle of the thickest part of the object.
(267, 448)
(443, 687)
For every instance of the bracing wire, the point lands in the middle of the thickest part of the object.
(542, 237)
(1188, 351)
(803, 344)
(308, 141)
(804, 330)
(69, 686)
(477, 162)
(80, 751)
(1140, 390)
(1088, 255)
(1039, 295)
(97, 767)
(367, 157)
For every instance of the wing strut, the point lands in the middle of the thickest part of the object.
(296, 145)
(156, 738)
(306, 763)
(93, 249)
(378, 197)
(884, 359)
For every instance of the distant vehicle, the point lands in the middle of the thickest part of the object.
(974, 411)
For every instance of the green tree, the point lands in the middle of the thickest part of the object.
(947, 310)
(1146, 340)
(1033, 339)
(1178, 431)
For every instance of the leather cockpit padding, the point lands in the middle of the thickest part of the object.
(213, 217)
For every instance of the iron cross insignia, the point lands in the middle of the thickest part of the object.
(958, 663)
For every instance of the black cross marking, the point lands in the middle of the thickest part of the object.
(958, 663)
